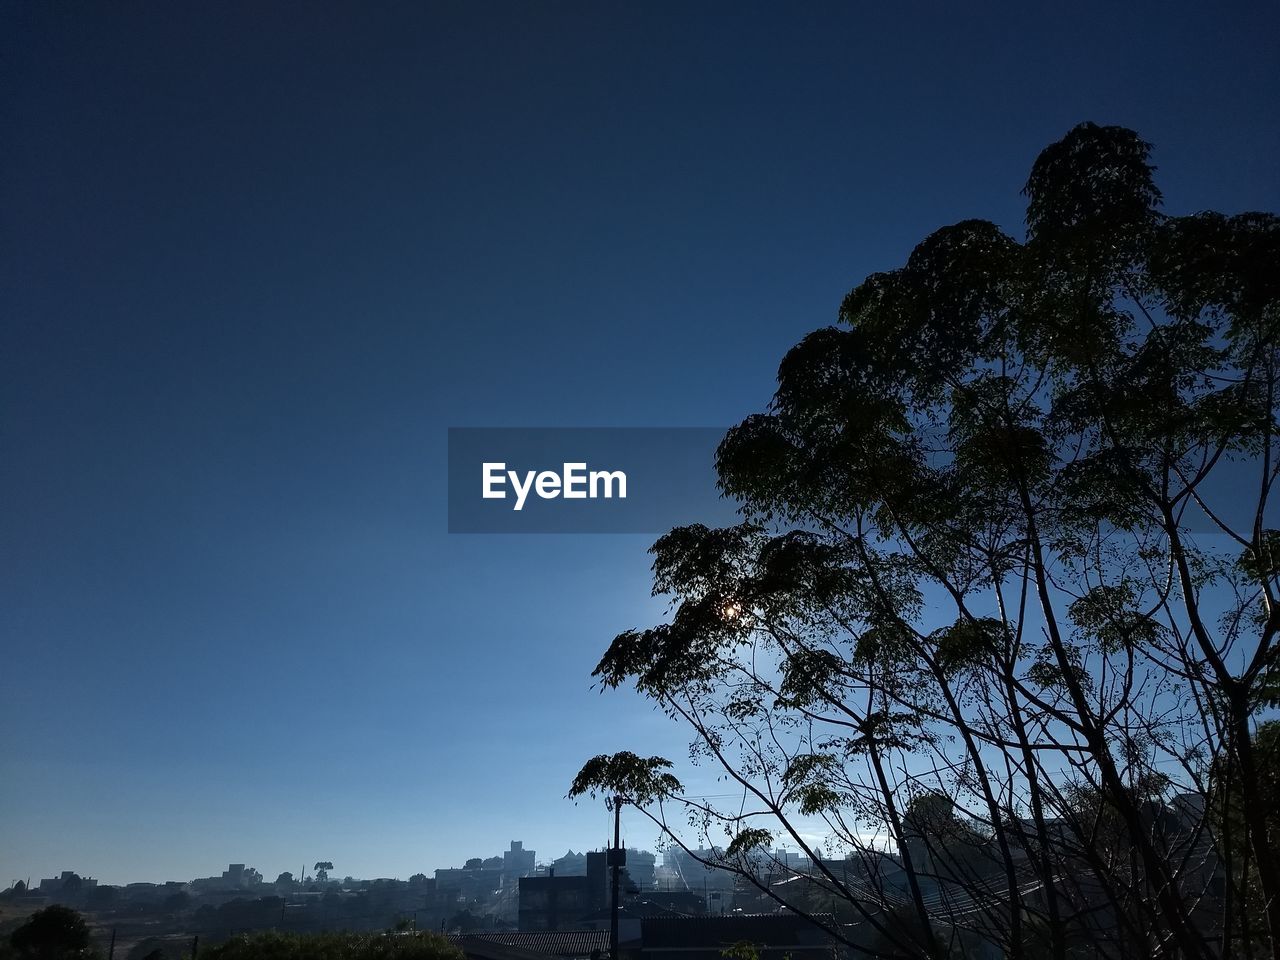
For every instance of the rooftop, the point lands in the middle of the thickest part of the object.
(556, 943)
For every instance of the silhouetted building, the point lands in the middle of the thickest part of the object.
(473, 882)
(684, 871)
(556, 903)
(239, 876)
(775, 937)
(570, 865)
(68, 883)
(516, 863)
(681, 903)
(640, 867)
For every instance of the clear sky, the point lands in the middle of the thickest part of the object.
(256, 257)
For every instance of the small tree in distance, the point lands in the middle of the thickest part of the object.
(1001, 618)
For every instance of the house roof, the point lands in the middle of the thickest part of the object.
(478, 948)
(556, 943)
(712, 931)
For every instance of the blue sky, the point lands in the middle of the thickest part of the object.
(257, 258)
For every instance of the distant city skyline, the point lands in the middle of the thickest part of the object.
(259, 258)
(306, 866)
(307, 873)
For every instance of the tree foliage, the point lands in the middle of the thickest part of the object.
(54, 933)
(335, 946)
(1005, 541)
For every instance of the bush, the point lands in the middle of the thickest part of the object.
(334, 946)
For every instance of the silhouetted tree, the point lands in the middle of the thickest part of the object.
(1005, 543)
(1230, 828)
(335, 946)
(54, 933)
(465, 921)
(322, 869)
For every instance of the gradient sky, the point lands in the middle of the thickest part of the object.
(255, 258)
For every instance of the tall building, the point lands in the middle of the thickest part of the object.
(516, 863)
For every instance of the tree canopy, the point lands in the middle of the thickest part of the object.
(335, 946)
(1005, 541)
(54, 933)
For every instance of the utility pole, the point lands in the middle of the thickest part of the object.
(617, 857)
